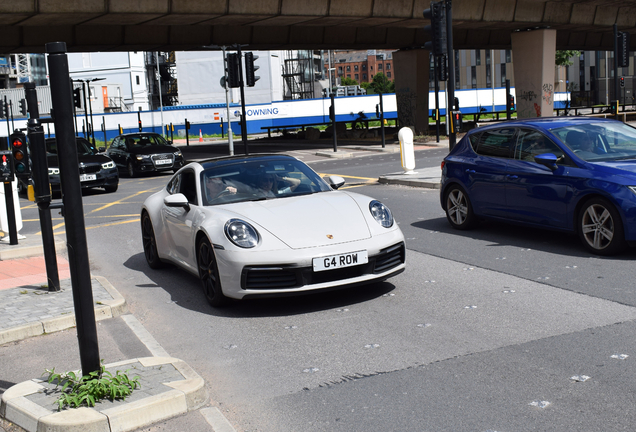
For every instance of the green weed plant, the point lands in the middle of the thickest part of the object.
(87, 390)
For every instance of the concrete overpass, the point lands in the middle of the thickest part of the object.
(166, 25)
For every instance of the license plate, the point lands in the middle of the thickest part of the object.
(339, 261)
(88, 177)
(163, 162)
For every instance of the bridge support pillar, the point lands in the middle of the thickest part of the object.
(411, 88)
(533, 54)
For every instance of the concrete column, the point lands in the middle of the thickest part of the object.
(411, 88)
(533, 55)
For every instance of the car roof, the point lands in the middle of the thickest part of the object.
(546, 123)
(228, 160)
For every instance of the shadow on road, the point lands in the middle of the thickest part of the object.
(186, 291)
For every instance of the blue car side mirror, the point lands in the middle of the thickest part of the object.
(547, 159)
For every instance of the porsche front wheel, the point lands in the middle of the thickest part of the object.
(209, 274)
(150, 243)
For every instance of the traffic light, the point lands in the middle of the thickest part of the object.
(7, 108)
(437, 28)
(622, 82)
(458, 120)
(20, 154)
(614, 107)
(250, 68)
(232, 70)
(23, 107)
(6, 166)
(77, 97)
(511, 102)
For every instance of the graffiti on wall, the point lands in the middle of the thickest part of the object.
(548, 92)
(527, 95)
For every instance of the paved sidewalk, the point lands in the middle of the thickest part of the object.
(169, 387)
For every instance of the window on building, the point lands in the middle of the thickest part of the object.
(356, 77)
(342, 60)
(355, 68)
(364, 67)
(348, 75)
(508, 56)
(473, 76)
(478, 57)
(388, 74)
(488, 77)
(379, 66)
(370, 67)
(388, 66)
(364, 77)
(348, 68)
(488, 57)
(503, 74)
(137, 79)
(339, 70)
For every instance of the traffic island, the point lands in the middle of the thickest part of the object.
(168, 388)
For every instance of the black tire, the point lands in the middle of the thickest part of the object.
(150, 243)
(111, 189)
(209, 274)
(130, 169)
(600, 227)
(459, 210)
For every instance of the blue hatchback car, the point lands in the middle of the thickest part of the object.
(574, 174)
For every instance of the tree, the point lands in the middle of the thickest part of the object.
(348, 82)
(381, 84)
(563, 57)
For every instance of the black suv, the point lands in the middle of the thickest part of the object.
(137, 153)
(96, 169)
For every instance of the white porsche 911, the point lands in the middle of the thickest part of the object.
(268, 225)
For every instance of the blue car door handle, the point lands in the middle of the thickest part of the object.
(512, 177)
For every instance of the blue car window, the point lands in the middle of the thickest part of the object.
(496, 143)
(531, 143)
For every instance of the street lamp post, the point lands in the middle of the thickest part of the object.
(87, 83)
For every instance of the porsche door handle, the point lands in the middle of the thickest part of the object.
(512, 177)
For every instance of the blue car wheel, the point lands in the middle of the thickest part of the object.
(459, 211)
(600, 227)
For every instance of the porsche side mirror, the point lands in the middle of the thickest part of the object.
(177, 200)
(335, 181)
(547, 159)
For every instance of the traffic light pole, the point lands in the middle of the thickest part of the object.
(79, 264)
(230, 136)
(451, 74)
(242, 86)
(616, 89)
(41, 180)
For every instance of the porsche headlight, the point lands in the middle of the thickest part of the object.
(381, 214)
(54, 171)
(241, 233)
(108, 165)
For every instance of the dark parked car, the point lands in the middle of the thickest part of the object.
(96, 169)
(144, 152)
(570, 174)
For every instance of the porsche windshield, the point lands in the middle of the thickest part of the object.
(599, 141)
(255, 180)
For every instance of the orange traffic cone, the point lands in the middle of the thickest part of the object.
(200, 136)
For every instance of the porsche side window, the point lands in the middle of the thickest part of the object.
(188, 186)
(174, 185)
(496, 143)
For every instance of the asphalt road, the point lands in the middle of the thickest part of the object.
(483, 329)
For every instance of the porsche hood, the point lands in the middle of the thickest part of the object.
(321, 219)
